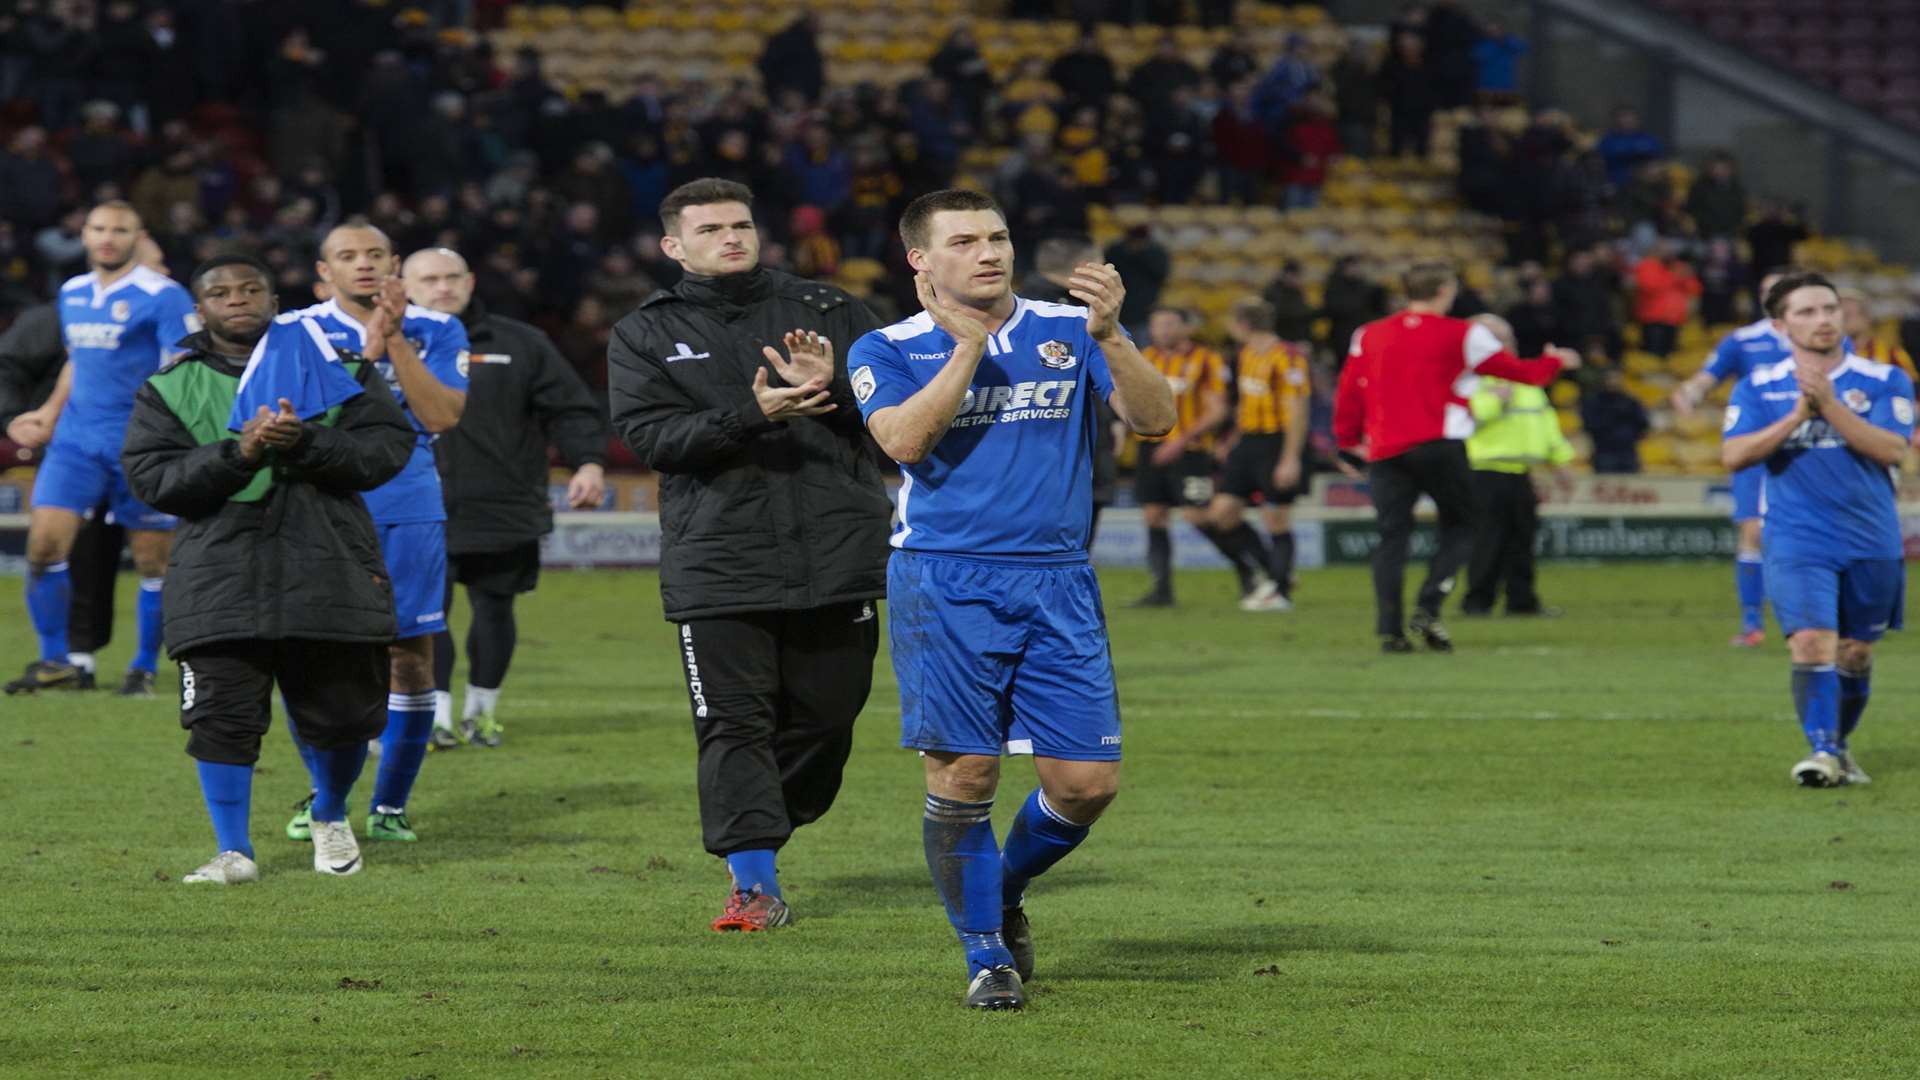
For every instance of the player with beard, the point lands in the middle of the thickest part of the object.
(1830, 430)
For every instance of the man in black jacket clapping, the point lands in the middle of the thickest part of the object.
(276, 567)
(521, 396)
(773, 521)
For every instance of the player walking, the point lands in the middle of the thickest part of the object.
(121, 320)
(1270, 434)
(422, 355)
(522, 395)
(775, 522)
(1402, 397)
(1178, 469)
(276, 554)
(999, 640)
(1828, 428)
(1739, 354)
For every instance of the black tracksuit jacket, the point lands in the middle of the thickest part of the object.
(755, 515)
(522, 396)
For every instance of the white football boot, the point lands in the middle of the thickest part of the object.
(226, 868)
(335, 851)
(1819, 769)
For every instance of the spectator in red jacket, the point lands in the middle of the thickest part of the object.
(1312, 143)
(1244, 148)
(1402, 402)
(1664, 289)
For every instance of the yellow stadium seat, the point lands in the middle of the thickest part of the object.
(599, 18)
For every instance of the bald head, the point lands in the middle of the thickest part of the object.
(1501, 328)
(356, 260)
(438, 278)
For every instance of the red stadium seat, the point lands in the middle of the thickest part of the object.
(1813, 58)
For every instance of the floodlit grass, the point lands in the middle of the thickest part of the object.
(1570, 849)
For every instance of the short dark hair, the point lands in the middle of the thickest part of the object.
(1427, 278)
(364, 225)
(1776, 301)
(1187, 315)
(230, 259)
(919, 213)
(702, 192)
(1259, 315)
(121, 205)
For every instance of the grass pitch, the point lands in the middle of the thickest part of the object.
(1570, 849)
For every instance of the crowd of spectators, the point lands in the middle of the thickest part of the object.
(255, 125)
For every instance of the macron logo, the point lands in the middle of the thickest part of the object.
(683, 351)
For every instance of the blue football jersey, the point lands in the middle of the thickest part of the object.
(116, 337)
(1820, 497)
(441, 341)
(1013, 475)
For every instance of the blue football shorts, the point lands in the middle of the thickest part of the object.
(1746, 492)
(416, 554)
(1860, 598)
(73, 476)
(1000, 657)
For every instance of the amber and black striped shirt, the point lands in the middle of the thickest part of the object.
(1194, 373)
(1273, 383)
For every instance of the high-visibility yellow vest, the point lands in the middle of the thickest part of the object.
(1517, 434)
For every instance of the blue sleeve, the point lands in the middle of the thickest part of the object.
(1098, 373)
(1894, 410)
(879, 376)
(174, 318)
(1743, 416)
(446, 352)
(1724, 362)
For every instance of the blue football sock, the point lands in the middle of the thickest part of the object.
(1816, 694)
(307, 756)
(228, 790)
(146, 656)
(1040, 837)
(337, 772)
(402, 748)
(754, 869)
(1854, 688)
(966, 872)
(1750, 578)
(49, 593)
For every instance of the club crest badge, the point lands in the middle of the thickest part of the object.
(1857, 400)
(1057, 355)
(120, 310)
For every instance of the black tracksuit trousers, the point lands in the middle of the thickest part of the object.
(774, 697)
(1438, 469)
(1503, 543)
